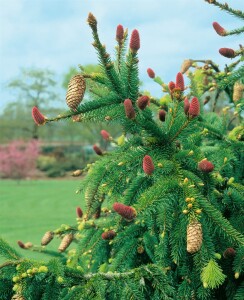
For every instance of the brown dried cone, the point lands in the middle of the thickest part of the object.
(76, 90)
(194, 236)
(238, 91)
(186, 65)
(48, 236)
(66, 241)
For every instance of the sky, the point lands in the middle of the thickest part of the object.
(54, 34)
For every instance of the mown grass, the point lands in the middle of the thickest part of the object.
(30, 208)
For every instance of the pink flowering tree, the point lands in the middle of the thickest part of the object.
(18, 159)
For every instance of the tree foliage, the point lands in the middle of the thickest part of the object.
(164, 208)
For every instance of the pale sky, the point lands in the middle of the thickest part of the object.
(54, 34)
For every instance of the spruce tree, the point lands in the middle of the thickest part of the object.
(164, 208)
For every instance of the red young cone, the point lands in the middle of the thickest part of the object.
(147, 165)
(179, 83)
(120, 33)
(205, 166)
(150, 73)
(108, 235)
(142, 102)
(97, 150)
(227, 52)
(229, 252)
(79, 212)
(21, 245)
(162, 115)
(220, 30)
(105, 135)
(135, 41)
(171, 85)
(37, 116)
(194, 109)
(129, 110)
(127, 212)
(186, 105)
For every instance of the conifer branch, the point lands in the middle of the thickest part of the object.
(223, 223)
(7, 251)
(104, 58)
(235, 31)
(234, 12)
(180, 130)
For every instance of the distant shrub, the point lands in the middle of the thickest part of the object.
(18, 159)
(45, 162)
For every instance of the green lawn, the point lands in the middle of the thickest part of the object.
(30, 208)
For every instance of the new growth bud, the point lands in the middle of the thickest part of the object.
(91, 20)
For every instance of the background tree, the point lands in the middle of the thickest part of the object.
(33, 87)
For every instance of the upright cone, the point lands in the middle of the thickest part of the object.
(76, 91)
(194, 236)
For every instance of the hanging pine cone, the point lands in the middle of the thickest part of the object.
(238, 91)
(66, 241)
(194, 236)
(76, 90)
(48, 236)
(186, 65)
